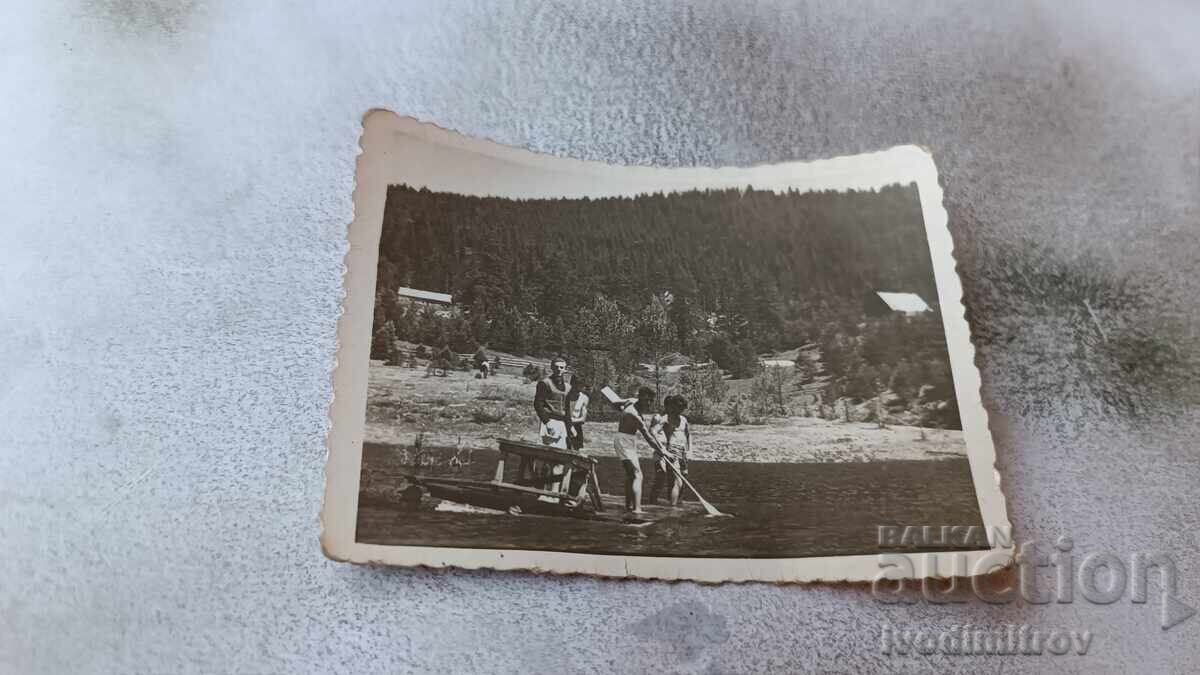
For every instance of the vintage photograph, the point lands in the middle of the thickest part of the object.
(722, 367)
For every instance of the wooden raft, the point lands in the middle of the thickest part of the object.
(548, 482)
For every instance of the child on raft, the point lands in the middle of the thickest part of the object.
(675, 439)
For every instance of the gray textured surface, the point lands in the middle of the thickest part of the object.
(175, 183)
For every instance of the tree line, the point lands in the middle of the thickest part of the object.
(720, 275)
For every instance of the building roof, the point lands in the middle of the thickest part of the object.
(903, 302)
(671, 363)
(426, 296)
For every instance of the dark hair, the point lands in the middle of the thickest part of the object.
(645, 393)
(675, 401)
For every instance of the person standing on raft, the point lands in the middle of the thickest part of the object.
(631, 424)
(550, 404)
(577, 408)
(676, 440)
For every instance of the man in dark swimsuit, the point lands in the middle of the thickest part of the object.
(550, 404)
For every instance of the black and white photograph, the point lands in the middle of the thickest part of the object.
(751, 366)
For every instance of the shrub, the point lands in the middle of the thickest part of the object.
(383, 342)
(705, 391)
(627, 385)
(532, 373)
(396, 355)
(744, 361)
(719, 350)
(941, 414)
(737, 411)
(769, 389)
(488, 414)
(490, 392)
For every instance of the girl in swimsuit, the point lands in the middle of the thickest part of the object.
(677, 445)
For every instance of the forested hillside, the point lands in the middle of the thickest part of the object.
(715, 274)
(770, 265)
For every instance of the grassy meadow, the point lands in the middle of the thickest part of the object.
(459, 410)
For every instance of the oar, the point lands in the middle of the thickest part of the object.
(618, 402)
(709, 508)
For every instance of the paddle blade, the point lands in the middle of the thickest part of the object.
(611, 396)
(708, 508)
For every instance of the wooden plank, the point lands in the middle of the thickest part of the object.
(594, 482)
(545, 453)
(608, 508)
(487, 485)
(565, 482)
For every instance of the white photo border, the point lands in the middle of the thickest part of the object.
(399, 150)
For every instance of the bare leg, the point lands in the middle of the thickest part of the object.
(633, 487)
(676, 487)
(654, 490)
(637, 490)
(629, 484)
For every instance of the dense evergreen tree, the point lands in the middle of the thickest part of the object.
(724, 275)
(760, 261)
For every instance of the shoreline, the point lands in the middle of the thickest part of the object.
(460, 411)
(770, 443)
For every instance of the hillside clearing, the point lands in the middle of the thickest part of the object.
(459, 409)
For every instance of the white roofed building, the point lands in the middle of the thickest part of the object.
(425, 296)
(887, 302)
(444, 303)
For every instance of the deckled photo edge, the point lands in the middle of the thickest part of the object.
(374, 172)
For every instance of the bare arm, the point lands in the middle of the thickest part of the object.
(656, 430)
(650, 438)
(657, 423)
(643, 429)
(583, 411)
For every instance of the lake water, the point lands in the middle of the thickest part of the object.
(781, 510)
